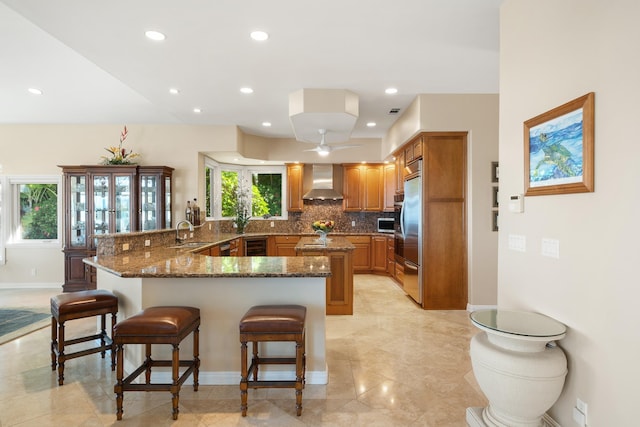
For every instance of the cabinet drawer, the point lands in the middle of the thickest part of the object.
(359, 239)
(286, 239)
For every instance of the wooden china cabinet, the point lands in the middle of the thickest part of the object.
(109, 199)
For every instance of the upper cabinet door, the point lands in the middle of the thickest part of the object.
(363, 188)
(294, 187)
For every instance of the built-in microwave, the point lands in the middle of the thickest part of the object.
(386, 225)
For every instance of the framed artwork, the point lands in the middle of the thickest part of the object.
(559, 149)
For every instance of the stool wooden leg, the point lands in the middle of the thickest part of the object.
(175, 387)
(103, 332)
(299, 376)
(61, 357)
(119, 376)
(196, 358)
(255, 361)
(54, 342)
(243, 378)
(147, 362)
(113, 345)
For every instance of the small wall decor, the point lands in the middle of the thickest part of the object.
(559, 149)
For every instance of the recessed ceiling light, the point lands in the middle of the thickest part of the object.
(266, 124)
(155, 35)
(246, 90)
(390, 90)
(371, 124)
(174, 91)
(197, 110)
(34, 91)
(259, 35)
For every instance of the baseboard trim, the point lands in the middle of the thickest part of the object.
(471, 307)
(45, 285)
(474, 419)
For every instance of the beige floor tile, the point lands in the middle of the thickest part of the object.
(390, 364)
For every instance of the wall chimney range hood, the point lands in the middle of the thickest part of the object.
(322, 187)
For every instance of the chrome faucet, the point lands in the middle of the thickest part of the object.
(184, 221)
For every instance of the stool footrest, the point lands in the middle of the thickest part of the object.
(91, 338)
(127, 384)
(275, 361)
(272, 384)
(108, 345)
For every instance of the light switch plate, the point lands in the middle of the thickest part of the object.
(517, 243)
(551, 248)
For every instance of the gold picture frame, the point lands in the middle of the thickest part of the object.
(559, 149)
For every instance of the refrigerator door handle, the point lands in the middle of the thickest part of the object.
(410, 266)
(402, 221)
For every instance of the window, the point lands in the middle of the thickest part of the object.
(225, 183)
(34, 212)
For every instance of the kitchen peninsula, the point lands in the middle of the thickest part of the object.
(224, 288)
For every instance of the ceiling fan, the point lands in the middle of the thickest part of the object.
(324, 149)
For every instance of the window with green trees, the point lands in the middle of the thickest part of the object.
(38, 211)
(258, 189)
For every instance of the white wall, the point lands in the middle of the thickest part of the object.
(553, 51)
(38, 149)
(478, 115)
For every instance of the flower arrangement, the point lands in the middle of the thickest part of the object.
(119, 155)
(323, 226)
(243, 206)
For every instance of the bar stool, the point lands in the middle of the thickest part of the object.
(78, 305)
(265, 323)
(157, 325)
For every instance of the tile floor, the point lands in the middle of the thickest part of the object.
(390, 364)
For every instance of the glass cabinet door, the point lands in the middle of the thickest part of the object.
(123, 204)
(78, 210)
(101, 204)
(167, 202)
(149, 202)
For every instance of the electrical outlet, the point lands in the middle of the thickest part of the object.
(125, 246)
(582, 408)
(191, 235)
(272, 224)
(517, 243)
(34, 272)
(353, 223)
(147, 242)
(209, 226)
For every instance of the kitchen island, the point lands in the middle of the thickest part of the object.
(339, 250)
(224, 288)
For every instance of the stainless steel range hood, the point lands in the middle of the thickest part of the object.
(322, 187)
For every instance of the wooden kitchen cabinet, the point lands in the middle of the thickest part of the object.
(361, 254)
(285, 245)
(363, 187)
(413, 150)
(379, 254)
(389, 174)
(108, 199)
(295, 174)
(235, 247)
(391, 256)
(400, 171)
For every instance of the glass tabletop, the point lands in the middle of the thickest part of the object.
(518, 323)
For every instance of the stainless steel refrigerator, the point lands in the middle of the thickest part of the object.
(411, 227)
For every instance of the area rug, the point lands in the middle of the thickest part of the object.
(16, 322)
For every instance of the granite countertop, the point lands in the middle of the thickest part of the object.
(183, 261)
(333, 244)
